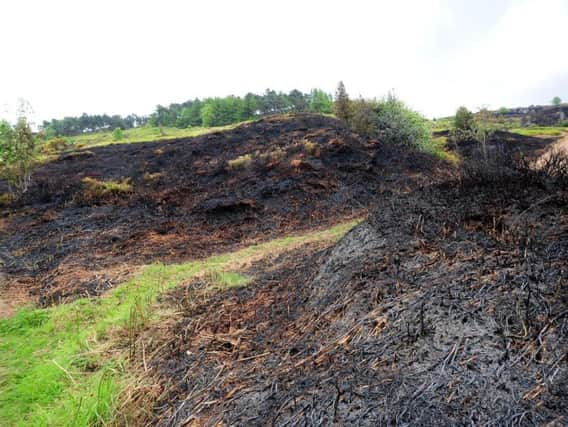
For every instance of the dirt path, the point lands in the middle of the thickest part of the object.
(9, 301)
(5, 309)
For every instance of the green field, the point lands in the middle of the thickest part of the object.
(141, 134)
(541, 131)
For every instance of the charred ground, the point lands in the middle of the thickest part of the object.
(189, 198)
(447, 307)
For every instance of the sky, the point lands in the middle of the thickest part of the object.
(66, 57)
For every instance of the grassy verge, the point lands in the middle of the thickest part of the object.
(64, 365)
(540, 131)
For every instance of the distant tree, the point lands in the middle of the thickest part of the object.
(298, 101)
(464, 119)
(17, 154)
(556, 101)
(117, 134)
(249, 106)
(320, 102)
(341, 105)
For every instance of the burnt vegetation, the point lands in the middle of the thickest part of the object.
(446, 305)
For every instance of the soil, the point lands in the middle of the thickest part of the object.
(447, 307)
(187, 201)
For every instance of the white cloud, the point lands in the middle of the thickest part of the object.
(67, 57)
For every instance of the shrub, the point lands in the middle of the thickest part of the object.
(117, 134)
(362, 117)
(17, 155)
(398, 124)
(95, 190)
(54, 144)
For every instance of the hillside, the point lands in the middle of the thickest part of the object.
(206, 281)
(448, 305)
(94, 216)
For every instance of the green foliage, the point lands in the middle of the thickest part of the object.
(398, 124)
(390, 120)
(556, 100)
(17, 154)
(320, 102)
(54, 145)
(196, 113)
(541, 130)
(71, 126)
(463, 119)
(117, 134)
(341, 105)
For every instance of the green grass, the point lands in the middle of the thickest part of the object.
(141, 134)
(540, 131)
(437, 148)
(59, 366)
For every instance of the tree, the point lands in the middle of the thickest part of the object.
(117, 134)
(320, 102)
(17, 154)
(341, 105)
(556, 101)
(464, 119)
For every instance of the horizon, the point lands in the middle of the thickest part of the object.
(439, 56)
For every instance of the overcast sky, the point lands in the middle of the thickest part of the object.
(121, 56)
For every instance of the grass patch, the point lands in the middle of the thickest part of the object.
(94, 189)
(241, 162)
(540, 131)
(60, 366)
(142, 134)
(437, 148)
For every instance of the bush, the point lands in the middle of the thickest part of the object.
(464, 119)
(17, 155)
(362, 117)
(398, 124)
(391, 120)
(117, 134)
(54, 145)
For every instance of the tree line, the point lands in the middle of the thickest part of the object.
(206, 112)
